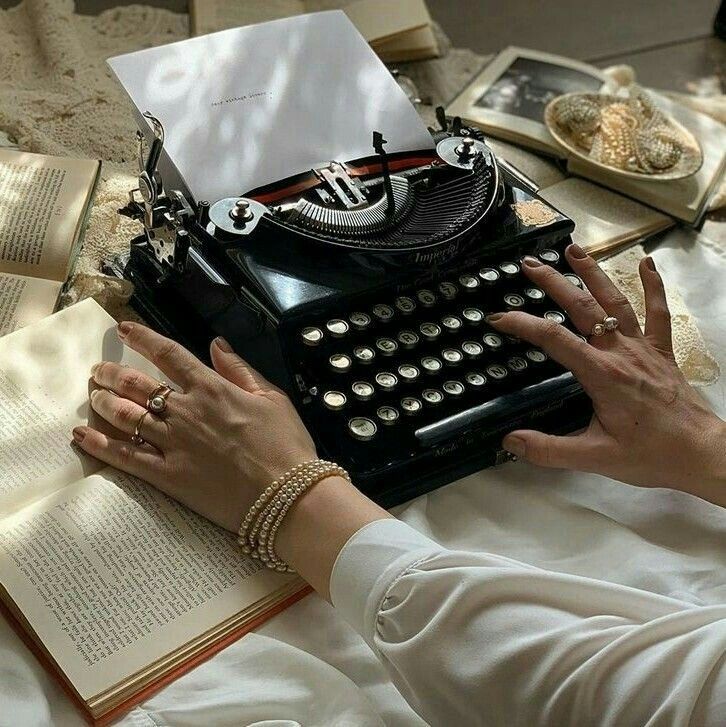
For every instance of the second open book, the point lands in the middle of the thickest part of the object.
(116, 587)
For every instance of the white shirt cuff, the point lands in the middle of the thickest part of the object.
(368, 564)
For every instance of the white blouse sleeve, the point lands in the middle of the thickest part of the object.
(478, 639)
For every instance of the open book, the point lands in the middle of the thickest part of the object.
(115, 587)
(508, 98)
(43, 205)
(398, 31)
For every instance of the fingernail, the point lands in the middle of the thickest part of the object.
(94, 393)
(531, 262)
(223, 345)
(94, 369)
(493, 317)
(124, 329)
(514, 445)
(576, 251)
(650, 263)
(79, 434)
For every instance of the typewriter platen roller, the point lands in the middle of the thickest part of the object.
(362, 290)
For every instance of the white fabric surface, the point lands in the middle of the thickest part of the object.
(308, 667)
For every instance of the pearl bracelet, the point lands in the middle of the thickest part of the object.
(260, 525)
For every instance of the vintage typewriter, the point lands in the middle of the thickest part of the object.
(361, 289)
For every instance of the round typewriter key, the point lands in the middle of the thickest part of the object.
(426, 298)
(387, 415)
(489, 276)
(311, 336)
(337, 327)
(359, 320)
(469, 282)
(512, 340)
(430, 331)
(534, 295)
(554, 315)
(451, 323)
(363, 390)
(448, 290)
(536, 356)
(405, 304)
(517, 364)
(410, 405)
(334, 400)
(574, 279)
(513, 301)
(453, 388)
(551, 257)
(497, 371)
(408, 339)
(493, 341)
(472, 349)
(387, 381)
(452, 356)
(364, 354)
(340, 362)
(362, 428)
(383, 312)
(408, 372)
(473, 315)
(387, 346)
(475, 379)
(432, 396)
(509, 270)
(430, 364)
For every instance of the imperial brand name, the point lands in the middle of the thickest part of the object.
(437, 255)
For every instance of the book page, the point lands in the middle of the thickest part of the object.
(112, 575)
(25, 300)
(42, 205)
(209, 16)
(44, 389)
(379, 20)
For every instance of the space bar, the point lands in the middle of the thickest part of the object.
(501, 408)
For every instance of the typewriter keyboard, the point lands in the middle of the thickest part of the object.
(396, 365)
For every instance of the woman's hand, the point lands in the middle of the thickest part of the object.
(225, 436)
(649, 427)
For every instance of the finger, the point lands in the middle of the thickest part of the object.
(657, 314)
(125, 381)
(557, 341)
(603, 290)
(126, 416)
(174, 360)
(141, 461)
(584, 311)
(577, 452)
(235, 369)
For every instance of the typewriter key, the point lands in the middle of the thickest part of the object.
(387, 346)
(410, 405)
(472, 349)
(475, 379)
(432, 396)
(473, 315)
(453, 388)
(387, 415)
(387, 381)
(340, 362)
(513, 301)
(405, 304)
(448, 290)
(426, 298)
(430, 364)
(408, 339)
(430, 331)
(469, 282)
(364, 354)
(383, 312)
(534, 295)
(362, 428)
(363, 390)
(554, 315)
(452, 356)
(334, 400)
(360, 321)
(536, 356)
(497, 372)
(451, 323)
(509, 270)
(517, 364)
(493, 341)
(551, 257)
(574, 280)
(337, 327)
(408, 372)
(489, 276)
(311, 336)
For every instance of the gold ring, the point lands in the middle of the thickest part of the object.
(157, 399)
(609, 323)
(137, 439)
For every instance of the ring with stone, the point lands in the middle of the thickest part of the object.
(609, 323)
(157, 399)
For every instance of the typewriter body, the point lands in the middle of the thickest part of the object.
(361, 289)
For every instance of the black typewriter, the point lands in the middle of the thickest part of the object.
(362, 290)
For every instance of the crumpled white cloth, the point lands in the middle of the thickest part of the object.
(308, 666)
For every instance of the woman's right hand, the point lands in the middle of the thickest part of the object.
(649, 426)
